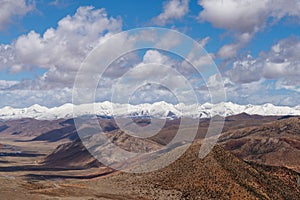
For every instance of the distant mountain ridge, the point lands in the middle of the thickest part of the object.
(158, 110)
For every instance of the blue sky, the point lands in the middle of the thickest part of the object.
(255, 45)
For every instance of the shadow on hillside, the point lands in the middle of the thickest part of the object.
(21, 154)
(47, 176)
(36, 168)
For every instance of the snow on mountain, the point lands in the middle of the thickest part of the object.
(158, 110)
(297, 107)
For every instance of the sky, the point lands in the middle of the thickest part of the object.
(254, 45)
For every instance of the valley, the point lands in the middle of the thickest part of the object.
(256, 158)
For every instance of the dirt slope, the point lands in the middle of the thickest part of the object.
(276, 143)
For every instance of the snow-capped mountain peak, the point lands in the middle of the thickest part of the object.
(157, 109)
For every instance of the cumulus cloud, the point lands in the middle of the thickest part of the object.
(245, 70)
(12, 8)
(154, 56)
(240, 16)
(281, 63)
(291, 84)
(244, 18)
(231, 50)
(256, 80)
(173, 9)
(150, 93)
(155, 78)
(283, 59)
(24, 98)
(60, 50)
(147, 70)
(4, 84)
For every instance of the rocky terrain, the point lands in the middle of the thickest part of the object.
(276, 143)
(257, 157)
(220, 175)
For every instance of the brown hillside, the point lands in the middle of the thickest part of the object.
(220, 175)
(276, 143)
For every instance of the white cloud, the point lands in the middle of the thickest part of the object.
(245, 70)
(244, 18)
(203, 42)
(257, 80)
(198, 59)
(231, 50)
(260, 92)
(283, 59)
(173, 9)
(24, 98)
(153, 56)
(60, 50)
(67, 45)
(168, 40)
(162, 73)
(150, 93)
(291, 84)
(12, 8)
(240, 16)
(281, 63)
(4, 84)
(148, 68)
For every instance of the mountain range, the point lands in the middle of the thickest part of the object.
(157, 110)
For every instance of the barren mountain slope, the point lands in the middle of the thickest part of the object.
(276, 143)
(29, 127)
(220, 175)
